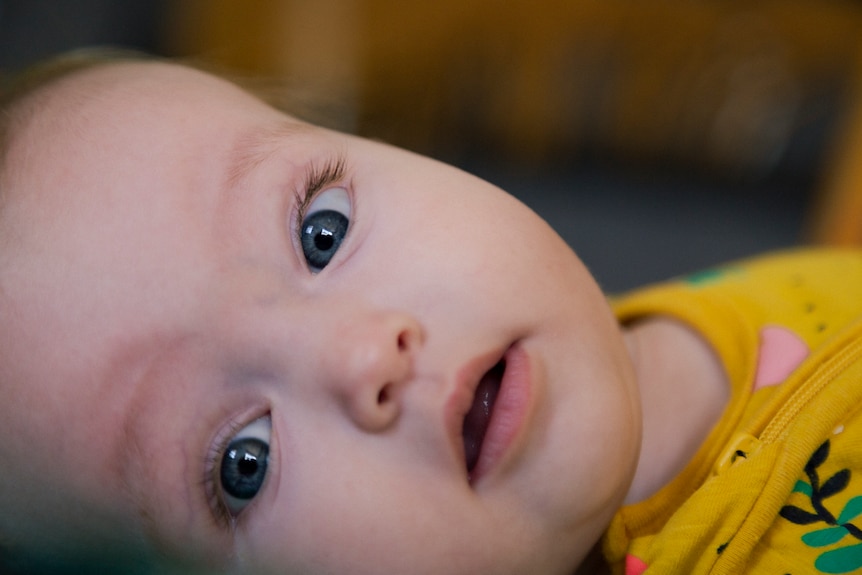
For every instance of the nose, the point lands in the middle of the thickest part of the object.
(372, 359)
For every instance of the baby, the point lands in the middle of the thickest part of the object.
(234, 342)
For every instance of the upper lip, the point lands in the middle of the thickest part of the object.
(461, 398)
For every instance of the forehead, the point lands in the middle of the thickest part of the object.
(142, 100)
(106, 251)
(108, 188)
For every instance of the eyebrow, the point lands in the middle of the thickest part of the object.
(140, 368)
(132, 368)
(254, 146)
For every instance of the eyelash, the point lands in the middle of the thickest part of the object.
(317, 179)
(212, 469)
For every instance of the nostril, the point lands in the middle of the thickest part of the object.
(383, 395)
(409, 333)
(403, 341)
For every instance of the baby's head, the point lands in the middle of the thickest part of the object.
(235, 340)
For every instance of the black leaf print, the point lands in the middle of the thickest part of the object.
(818, 457)
(835, 484)
(798, 516)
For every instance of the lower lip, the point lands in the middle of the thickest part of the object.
(510, 413)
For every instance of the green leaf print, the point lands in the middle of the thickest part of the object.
(711, 275)
(802, 487)
(824, 537)
(841, 560)
(851, 511)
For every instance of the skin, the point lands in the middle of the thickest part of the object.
(155, 297)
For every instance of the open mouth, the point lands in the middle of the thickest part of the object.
(477, 419)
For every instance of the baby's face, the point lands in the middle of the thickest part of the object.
(257, 342)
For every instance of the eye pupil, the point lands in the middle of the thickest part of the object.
(247, 465)
(324, 240)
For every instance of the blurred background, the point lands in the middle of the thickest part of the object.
(657, 138)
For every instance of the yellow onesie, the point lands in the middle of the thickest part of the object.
(777, 486)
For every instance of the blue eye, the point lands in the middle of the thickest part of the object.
(244, 463)
(324, 226)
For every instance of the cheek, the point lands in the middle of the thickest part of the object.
(488, 246)
(587, 443)
(362, 506)
(343, 518)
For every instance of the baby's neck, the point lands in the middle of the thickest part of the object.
(683, 391)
